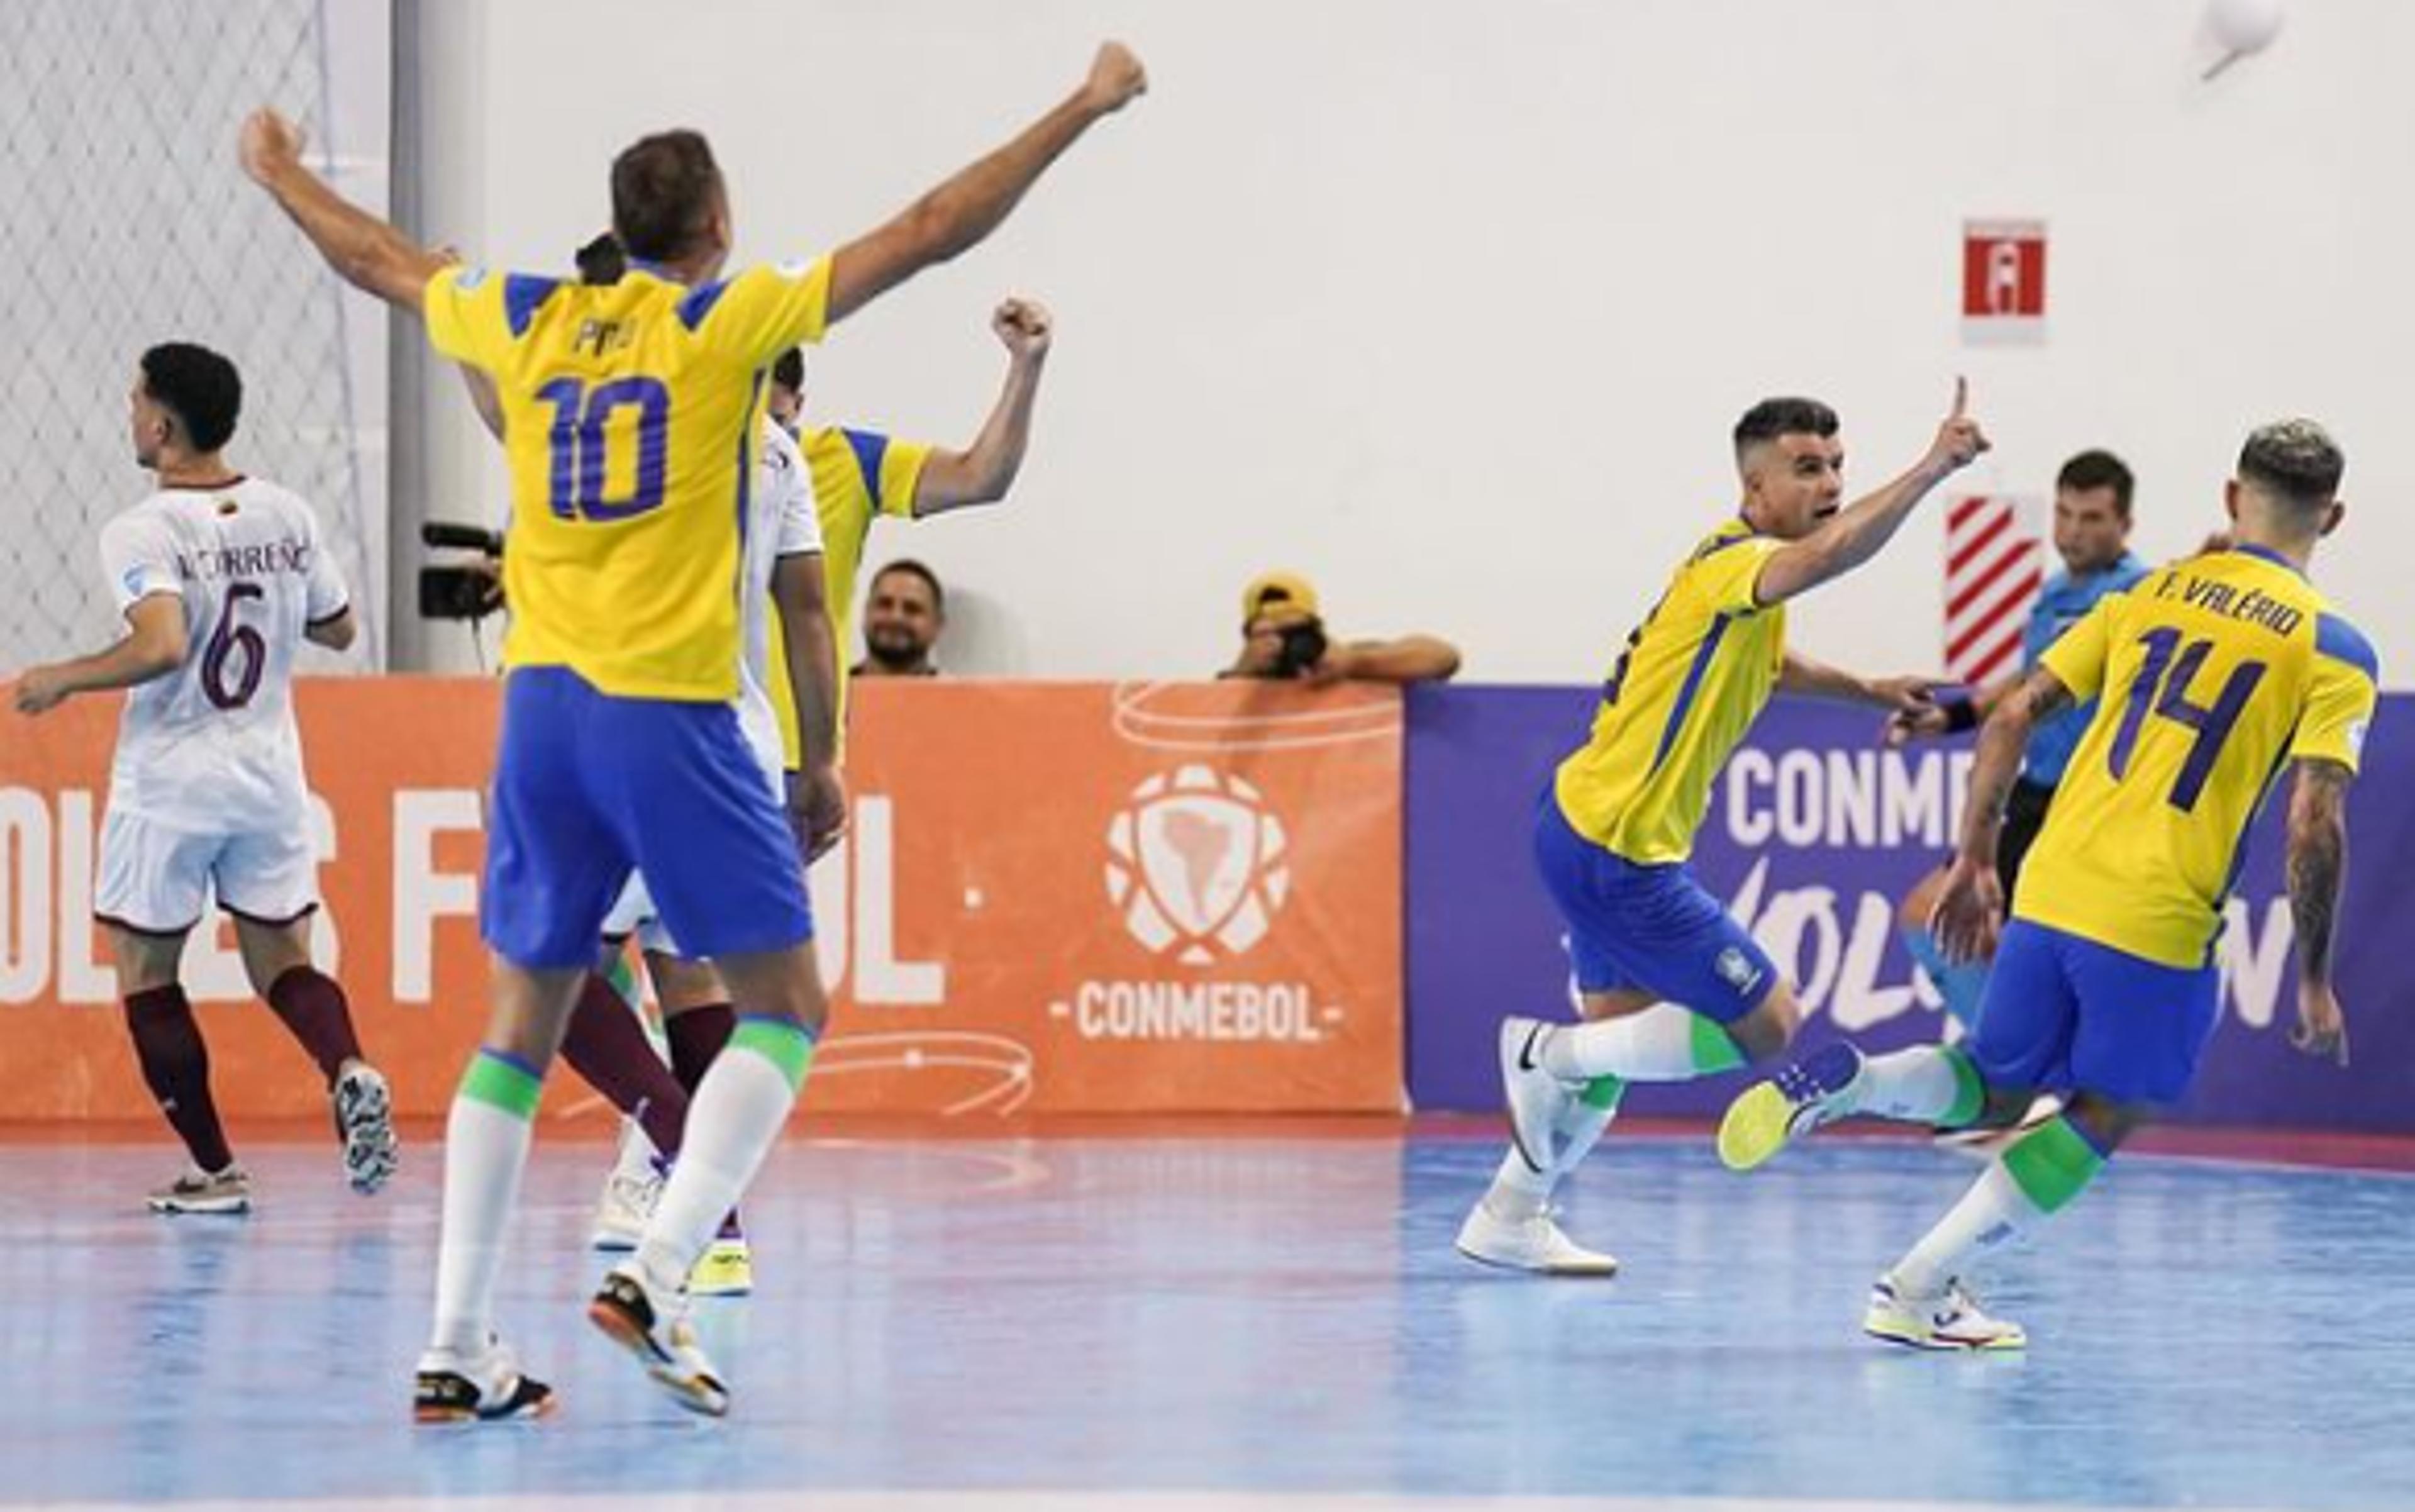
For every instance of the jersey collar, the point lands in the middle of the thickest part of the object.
(2267, 554)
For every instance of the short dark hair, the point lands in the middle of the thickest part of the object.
(1784, 416)
(662, 194)
(789, 370)
(199, 387)
(603, 261)
(2295, 461)
(915, 569)
(2098, 469)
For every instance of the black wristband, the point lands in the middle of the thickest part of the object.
(1961, 714)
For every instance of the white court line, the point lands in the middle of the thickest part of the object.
(994, 1501)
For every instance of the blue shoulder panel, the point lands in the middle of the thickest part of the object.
(2341, 641)
(522, 294)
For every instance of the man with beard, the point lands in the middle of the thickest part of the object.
(905, 612)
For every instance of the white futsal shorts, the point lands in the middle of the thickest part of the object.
(157, 881)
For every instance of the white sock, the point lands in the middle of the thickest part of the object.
(1993, 1210)
(486, 1139)
(737, 1111)
(1519, 1191)
(1917, 1086)
(1663, 1044)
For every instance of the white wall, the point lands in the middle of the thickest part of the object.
(1450, 304)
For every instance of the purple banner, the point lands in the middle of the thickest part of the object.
(1814, 834)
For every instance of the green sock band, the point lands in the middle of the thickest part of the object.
(1602, 1093)
(784, 1044)
(624, 981)
(501, 1082)
(2052, 1165)
(1713, 1049)
(1970, 1090)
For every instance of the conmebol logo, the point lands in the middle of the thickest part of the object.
(1197, 865)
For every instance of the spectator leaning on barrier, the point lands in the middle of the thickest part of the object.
(1284, 638)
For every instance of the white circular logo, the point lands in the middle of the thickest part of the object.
(1197, 865)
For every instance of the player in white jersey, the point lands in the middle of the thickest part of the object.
(783, 530)
(220, 578)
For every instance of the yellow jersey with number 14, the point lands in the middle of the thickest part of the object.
(2212, 674)
(1694, 676)
(630, 415)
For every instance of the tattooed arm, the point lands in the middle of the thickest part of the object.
(1971, 906)
(2317, 865)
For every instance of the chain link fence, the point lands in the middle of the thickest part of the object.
(124, 222)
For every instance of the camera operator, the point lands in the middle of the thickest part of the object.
(466, 588)
(1284, 638)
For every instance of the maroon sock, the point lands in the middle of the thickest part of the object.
(314, 1011)
(176, 1067)
(696, 1035)
(607, 1046)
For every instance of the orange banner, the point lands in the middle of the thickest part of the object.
(1054, 898)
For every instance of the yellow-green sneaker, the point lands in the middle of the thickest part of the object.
(726, 1268)
(1818, 1090)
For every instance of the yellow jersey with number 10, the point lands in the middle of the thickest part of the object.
(2212, 674)
(1694, 676)
(630, 415)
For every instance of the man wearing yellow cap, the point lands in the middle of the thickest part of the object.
(1284, 638)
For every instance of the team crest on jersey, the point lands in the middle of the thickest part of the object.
(1735, 970)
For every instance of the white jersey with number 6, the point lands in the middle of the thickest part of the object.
(211, 748)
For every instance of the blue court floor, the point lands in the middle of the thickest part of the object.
(1190, 1324)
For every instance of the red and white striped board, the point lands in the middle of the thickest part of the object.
(1993, 569)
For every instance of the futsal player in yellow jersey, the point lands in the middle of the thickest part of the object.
(2212, 674)
(861, 475)
(1670, 986)
(631, 415)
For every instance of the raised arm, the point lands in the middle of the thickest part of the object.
(1857, 532)
(961, 211)
(982, 473)
(2318, 867)
(364, 251)
(1971, 905)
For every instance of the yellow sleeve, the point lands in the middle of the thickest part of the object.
(762, 311)
(901, 474)
(1725, 576)
(2341, 697)
(2078, 658)
(463, 309)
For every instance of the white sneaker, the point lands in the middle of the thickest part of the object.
(197, 1190)
(364, 1109)
(1951, 1320)
(653, 1326)
(624, 1208)
(1536, 1098)
(453, 1388)
(1535, 1244)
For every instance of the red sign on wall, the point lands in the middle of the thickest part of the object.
(2003, 279)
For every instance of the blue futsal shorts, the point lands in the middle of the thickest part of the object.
(2067, 1014)
(1650, 927)
(590, 787)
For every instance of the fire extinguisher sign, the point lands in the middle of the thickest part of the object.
(2003, 280)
